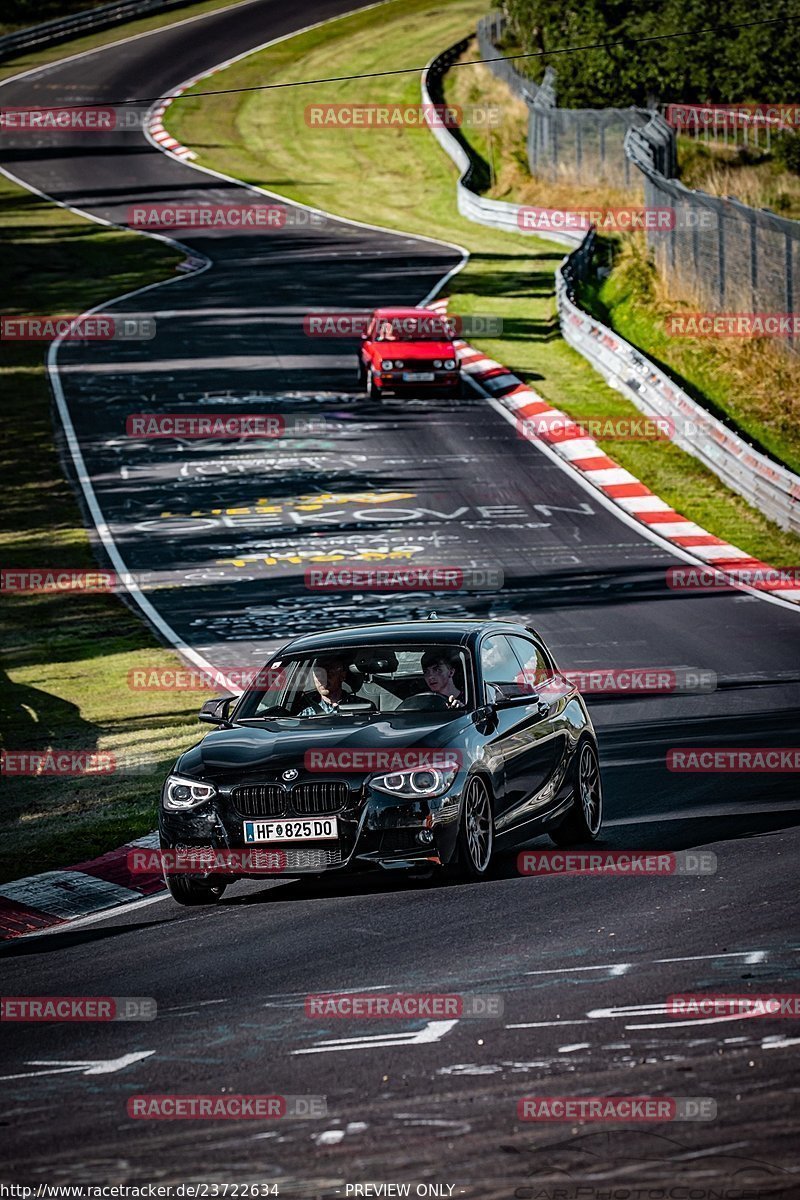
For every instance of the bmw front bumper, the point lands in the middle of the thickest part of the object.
(375, 830)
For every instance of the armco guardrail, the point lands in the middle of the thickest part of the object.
(497, 214)
(49, 33)
(771, 488)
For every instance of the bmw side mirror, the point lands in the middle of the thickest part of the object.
(215, 712)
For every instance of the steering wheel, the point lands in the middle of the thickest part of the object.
(423, 702)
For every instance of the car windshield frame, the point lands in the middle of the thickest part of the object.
(245, 709)
(403, 336)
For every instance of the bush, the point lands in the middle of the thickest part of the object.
(786, 149)
(724, 64)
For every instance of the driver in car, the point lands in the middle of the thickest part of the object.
(328, 675)
(439, 669)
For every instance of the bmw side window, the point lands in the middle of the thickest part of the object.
(276, 697)
(501, 669)
(534, 670)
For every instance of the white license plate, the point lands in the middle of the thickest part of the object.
(302, 829)
(418, 376)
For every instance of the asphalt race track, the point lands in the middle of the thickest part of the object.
(225, 531)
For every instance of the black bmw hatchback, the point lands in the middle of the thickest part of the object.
(393, 746)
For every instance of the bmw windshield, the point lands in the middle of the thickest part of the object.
(366, 682)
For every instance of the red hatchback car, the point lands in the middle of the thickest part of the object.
(408, 348)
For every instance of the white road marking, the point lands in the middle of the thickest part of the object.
(545, 1024)
(749, 956)
(613, 968)
(133, 37)
(648, 532)
(100, 1066)
(251, 187)
(693, 814)
(433, 1032)
(298, 999)
(573, 1047)
(119, 911)
(82, 474)
(778, 1041)
(662, 1010)
(695, 1021)
(190, 1010)
(471, 1069)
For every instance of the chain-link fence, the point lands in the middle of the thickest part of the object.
(724, 255)
(490, 31)
(747, 127)
(582, 145)
(574, 145)
(728, 256)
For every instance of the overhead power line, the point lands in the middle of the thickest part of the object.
(472, 62)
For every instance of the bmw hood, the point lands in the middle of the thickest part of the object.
(276, 744)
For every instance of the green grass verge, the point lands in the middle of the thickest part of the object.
(751, 175)
(66, 658)
(754, 384)
(401, 179)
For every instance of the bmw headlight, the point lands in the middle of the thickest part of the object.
(398, 362)
(386, 364)
(449, 364)
(181, 792)
(437, 362)
(422, 781)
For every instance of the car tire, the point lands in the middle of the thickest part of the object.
(362, 373)
(475, 844)
(372, 387)
(194, 891)
(585, 817)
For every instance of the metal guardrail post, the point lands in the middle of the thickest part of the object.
(788, 256)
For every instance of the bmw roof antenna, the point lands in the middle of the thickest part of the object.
(432, 616)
